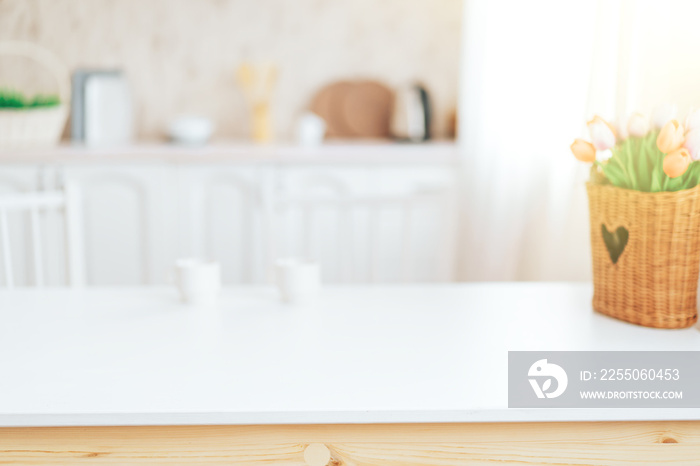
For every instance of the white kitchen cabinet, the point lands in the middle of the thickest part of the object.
(331, 234)
(220, 216)
(17, 179)
(148, 205)
(362, 239)
(130, 221)
(432, 225)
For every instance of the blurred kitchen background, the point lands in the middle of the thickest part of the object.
(190, 133)
(181, 57)
(245, 131)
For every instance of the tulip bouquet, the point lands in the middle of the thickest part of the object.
(663, 158)
(644, 209)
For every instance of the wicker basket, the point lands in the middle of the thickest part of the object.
(646, 255)
(35, 127)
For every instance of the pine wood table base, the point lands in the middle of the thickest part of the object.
(583, 443)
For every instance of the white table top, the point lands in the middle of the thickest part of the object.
(420, 353)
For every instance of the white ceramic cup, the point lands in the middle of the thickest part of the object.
(298, 280)
(199, 281)
(311, 129)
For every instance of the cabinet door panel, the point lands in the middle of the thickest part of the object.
(19, 180)
(429, 250)
(383, 233)
(129, 230)
(332, 234)
(222, 219)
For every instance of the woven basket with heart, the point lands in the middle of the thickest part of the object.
(644, 203)
(646, 255)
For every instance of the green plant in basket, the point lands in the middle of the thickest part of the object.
(662, 159)
(12, 99)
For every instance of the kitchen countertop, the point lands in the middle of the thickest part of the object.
(333, 152)
(361, 354)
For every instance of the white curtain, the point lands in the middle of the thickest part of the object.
(532, 73)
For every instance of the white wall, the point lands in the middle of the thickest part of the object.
(668, 48)
(181, 55)
(523, 98)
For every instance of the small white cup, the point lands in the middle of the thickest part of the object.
(199, 281)
(311, 129)
(298, 280)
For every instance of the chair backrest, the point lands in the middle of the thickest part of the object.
(66, 201)
(361, 235)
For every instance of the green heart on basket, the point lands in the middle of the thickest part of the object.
(615, 242)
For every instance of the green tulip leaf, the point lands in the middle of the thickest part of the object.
(637, 164)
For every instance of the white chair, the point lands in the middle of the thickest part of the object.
(66, 201)
(351, 240)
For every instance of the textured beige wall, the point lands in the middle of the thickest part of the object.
(180, 55)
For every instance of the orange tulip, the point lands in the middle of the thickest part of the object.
(676, 163)
(671, 137)
(583, 150)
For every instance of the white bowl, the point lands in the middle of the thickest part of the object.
(191, 130)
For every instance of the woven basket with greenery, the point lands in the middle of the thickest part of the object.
(38, 120)
(644, 202)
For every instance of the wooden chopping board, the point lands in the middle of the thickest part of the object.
(328, 104)
(357, 109)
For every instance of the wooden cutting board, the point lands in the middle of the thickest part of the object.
(357, 109)
(328, 104)
(367, 108)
